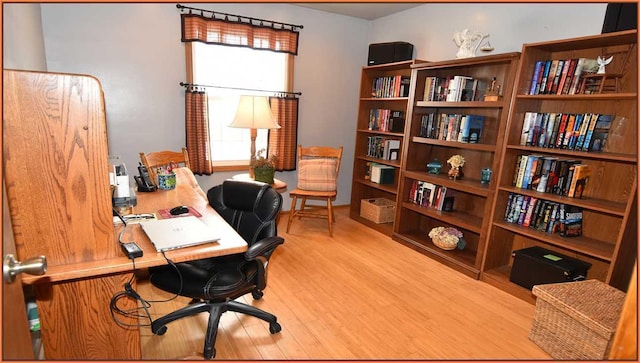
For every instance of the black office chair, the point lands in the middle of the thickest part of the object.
(251, 208)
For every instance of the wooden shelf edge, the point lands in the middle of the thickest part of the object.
(373, 99)
(463, 104)
(626, 158)
(454, 144)
(379, 132)
(389, 188)
(579, 97)
(459, 219)
(466, 185)
(384, 228)
(447, 258)
(499, 278)
(586, 246)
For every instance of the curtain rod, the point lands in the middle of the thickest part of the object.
(240, 18)
(183, 84)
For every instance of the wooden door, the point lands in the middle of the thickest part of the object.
(16, 338)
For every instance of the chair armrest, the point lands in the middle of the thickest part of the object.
(263, 246)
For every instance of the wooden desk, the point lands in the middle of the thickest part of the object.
(73, 300)
(278, 184)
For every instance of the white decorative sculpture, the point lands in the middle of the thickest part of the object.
(602, 63)
(468, 42)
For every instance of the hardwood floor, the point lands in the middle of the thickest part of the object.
(358, 295)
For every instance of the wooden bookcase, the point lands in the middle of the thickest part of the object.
(472, 199)
(362, 187)
(609, 203)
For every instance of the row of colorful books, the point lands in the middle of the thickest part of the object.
(454, 89)
(386, 120)
(560, 76)
(390, 86)
(427, 194)
(452, 127)
(544, 215)
(548, 174)
(579, 132)
(384, 148)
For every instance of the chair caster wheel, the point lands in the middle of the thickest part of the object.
(161, 331)
(257, 294)
(210, 354)
(274, 328)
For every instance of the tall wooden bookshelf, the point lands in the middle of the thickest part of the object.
(374, 81)
(609, 202)
(472, 199)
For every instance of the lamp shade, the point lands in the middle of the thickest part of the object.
(254, 113)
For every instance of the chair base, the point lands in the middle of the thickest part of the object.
(215, 310)
(305, 211)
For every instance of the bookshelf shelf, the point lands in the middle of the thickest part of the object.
(472, 200)
(609, 203)
(370, 82)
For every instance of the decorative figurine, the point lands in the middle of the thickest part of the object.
(602, 63)
(469, 42)
(434, 166)
(456, 162)
(493, 92)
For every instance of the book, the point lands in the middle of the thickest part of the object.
(563, 77)
(476, 124)
(467, 89)
(556, 78)
(526, 180)
(546, 217)
(585, 65)
(538, 214)
(545, 173)
(592, 126)
(545, 77)
(507, 209)
(552, 178)
(571, 225)
(530, 209)
(542, 134)
(516, 170)
(600, 133)
(521, 170)
(535, 86)
(524, 207)
(583, 131)
(577, 126)
(536, 173)
(515, 212)
(553, 221)
(532, 138)
(554, 133)
(561, 130)
(581, 174)
(568, 131)
(529, 118)
(570, 74)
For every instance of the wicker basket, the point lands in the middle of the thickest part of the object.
(576, 320)
(378, 210)
(444, 245)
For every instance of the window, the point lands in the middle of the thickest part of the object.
(236, 68)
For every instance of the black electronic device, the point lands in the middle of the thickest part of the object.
(144, 180)
(620, 16)
(131, 249)
(380, 53)
(181, 209)
(536, 265)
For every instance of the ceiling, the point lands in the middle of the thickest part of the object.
(369, 11)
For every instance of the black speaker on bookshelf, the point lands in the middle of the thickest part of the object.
(380, 53)
(620, 16)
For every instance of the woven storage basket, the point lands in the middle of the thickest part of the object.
(576, 320)
(378, 210)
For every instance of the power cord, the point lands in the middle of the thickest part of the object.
(141, 311)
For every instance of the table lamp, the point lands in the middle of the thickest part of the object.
(254, 113)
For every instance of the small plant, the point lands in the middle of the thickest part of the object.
(260, 161)
(448, 238)
(456, 161)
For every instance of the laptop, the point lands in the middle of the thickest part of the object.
(172, 233)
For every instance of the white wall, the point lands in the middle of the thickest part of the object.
(23, 46)
(135, 51)
(430, 27)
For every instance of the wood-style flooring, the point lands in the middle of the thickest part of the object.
(358, 295)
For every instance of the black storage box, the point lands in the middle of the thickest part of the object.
(380, 53)
(536, 265)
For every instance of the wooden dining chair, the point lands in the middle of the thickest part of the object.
(156, 159)
(318, 168)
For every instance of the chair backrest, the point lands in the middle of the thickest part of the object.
(314, 170)
(156, 159)
(251, 208)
